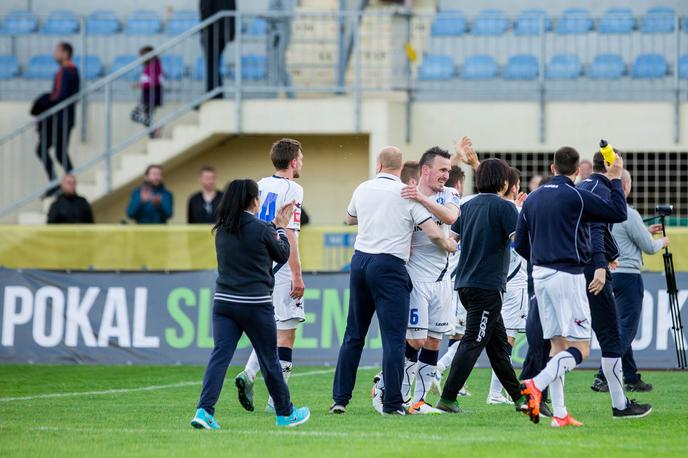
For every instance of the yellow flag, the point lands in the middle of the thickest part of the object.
(410, 52)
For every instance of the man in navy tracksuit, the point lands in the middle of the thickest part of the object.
(552, 232)
(605, 320)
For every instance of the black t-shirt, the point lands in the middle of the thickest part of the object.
(72, 209)
(485, 226)
(202, 212)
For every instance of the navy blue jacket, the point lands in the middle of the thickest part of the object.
(552, 227)
(603, 245)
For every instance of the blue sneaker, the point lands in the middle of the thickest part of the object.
(203, 420)
(298, 417)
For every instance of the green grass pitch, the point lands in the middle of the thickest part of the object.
(145, 411)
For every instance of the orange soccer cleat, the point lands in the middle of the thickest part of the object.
(568, 420)
(533, 398)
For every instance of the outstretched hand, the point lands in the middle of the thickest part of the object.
(284, 214)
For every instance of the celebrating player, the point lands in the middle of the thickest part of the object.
(287, 297)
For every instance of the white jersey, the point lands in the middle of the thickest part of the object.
(275, 192)
(517, 276)
(428, 262)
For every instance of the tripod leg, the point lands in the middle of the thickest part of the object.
(676, 321)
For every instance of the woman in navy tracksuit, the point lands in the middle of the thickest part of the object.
(246, 248)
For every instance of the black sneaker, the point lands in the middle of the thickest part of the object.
(600, 385)
(640, 385)
(448, 406)
(337, 409)
(632, 410)
(399, 411)
(545, 411)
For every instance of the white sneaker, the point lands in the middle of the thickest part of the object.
(376, 394)
(498, 398)
(464, 391)
(436, 384)
(423, 408)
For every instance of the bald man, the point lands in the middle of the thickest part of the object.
(379, 282)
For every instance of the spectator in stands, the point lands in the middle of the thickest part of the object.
(279, 34)
(151, 91)
(585, 170)
(55, 130)
(69, 207)
(203, 205)
(151, 203)
(534, 183)
(214, 38)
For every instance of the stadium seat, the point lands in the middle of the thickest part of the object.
(61, 22)
(123, 60)
(198, 73)
(254, 67)
(94, 67)
(522, 67)
(490, 22)
(9, 67)
(564, 67)
(658, 20)
(607, 67)
(436, 67)
(683, 67)
(685, 24)
(448, 24)
(143, 22)
(102, 22)
(181, 21)
(650, 66)
(257, 27)
(529, 22)
(19, 22)
(617, 20)
(574, 21)
(173, 67)
(479, 67)
(41, 67)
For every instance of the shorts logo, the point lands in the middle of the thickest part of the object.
(483, 326)
(580, 322)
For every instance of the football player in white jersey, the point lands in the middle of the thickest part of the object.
(428, 266)
(515, 303)
(287, 297)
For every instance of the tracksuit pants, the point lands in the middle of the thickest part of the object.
(605, 320)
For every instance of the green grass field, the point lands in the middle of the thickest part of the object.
(145, 411)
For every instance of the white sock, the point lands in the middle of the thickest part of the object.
(557, 366)
(252, 365)
(611, 367)
(286, 373)
(426, 374)
(556, 391)
(495, 385)
(446, 359)
(409, 376)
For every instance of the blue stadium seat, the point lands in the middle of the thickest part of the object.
(254, 67)
(19, 22)
(123, 60)
(479, 67)
(564, 67)
(181, 21)
(522, 67)
(685, 24)
(607, 67)
(41, 67)
(490, 22)
(574, 21)
(9, 67)
(198, 73)
(436, 67)
(102, 22)
(94, 67)
(173, 67)
(530, 22)
(683, 67)
(650, 66)
(143, 22)
(61, 22)
(257, 27)
(617, 20)
(658, 20)
(448, 23)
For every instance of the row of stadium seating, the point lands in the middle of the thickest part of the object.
(43, 67)
(561, 67)
(106, 22)
(492, 22)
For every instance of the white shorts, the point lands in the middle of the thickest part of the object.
(515, 310)
(459, 315)
(563, 304)
(288, 312)
(429, 310)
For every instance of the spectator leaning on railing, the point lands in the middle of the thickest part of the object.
(151, 203)
(69, 207)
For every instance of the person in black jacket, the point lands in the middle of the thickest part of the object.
(203, 205)
(214, 38)
(246, 247)
(69, 207)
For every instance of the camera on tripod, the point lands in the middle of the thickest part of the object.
(664, 210)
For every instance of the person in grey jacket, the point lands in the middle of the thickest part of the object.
(633, 239)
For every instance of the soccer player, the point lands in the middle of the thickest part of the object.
(605, 319)
(410, 173)
(287, 297)
(515, 303)
(552, 232)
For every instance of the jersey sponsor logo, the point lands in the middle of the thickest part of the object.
(483, 326)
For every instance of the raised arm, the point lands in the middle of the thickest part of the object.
(447, 213)
(607, 211)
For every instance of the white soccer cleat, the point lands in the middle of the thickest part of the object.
(436, 384)
(423, 408)
(376, 392)
(464, 391)
(499, 398)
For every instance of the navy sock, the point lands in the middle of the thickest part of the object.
(577, 355)
(284, 353)
(429, 356)
(411, 353)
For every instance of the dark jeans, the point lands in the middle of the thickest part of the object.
(605, 321)
(230, 320)
(628, 291)
(484, 330)
(214, 40)
(379, 283)
(54, 134)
